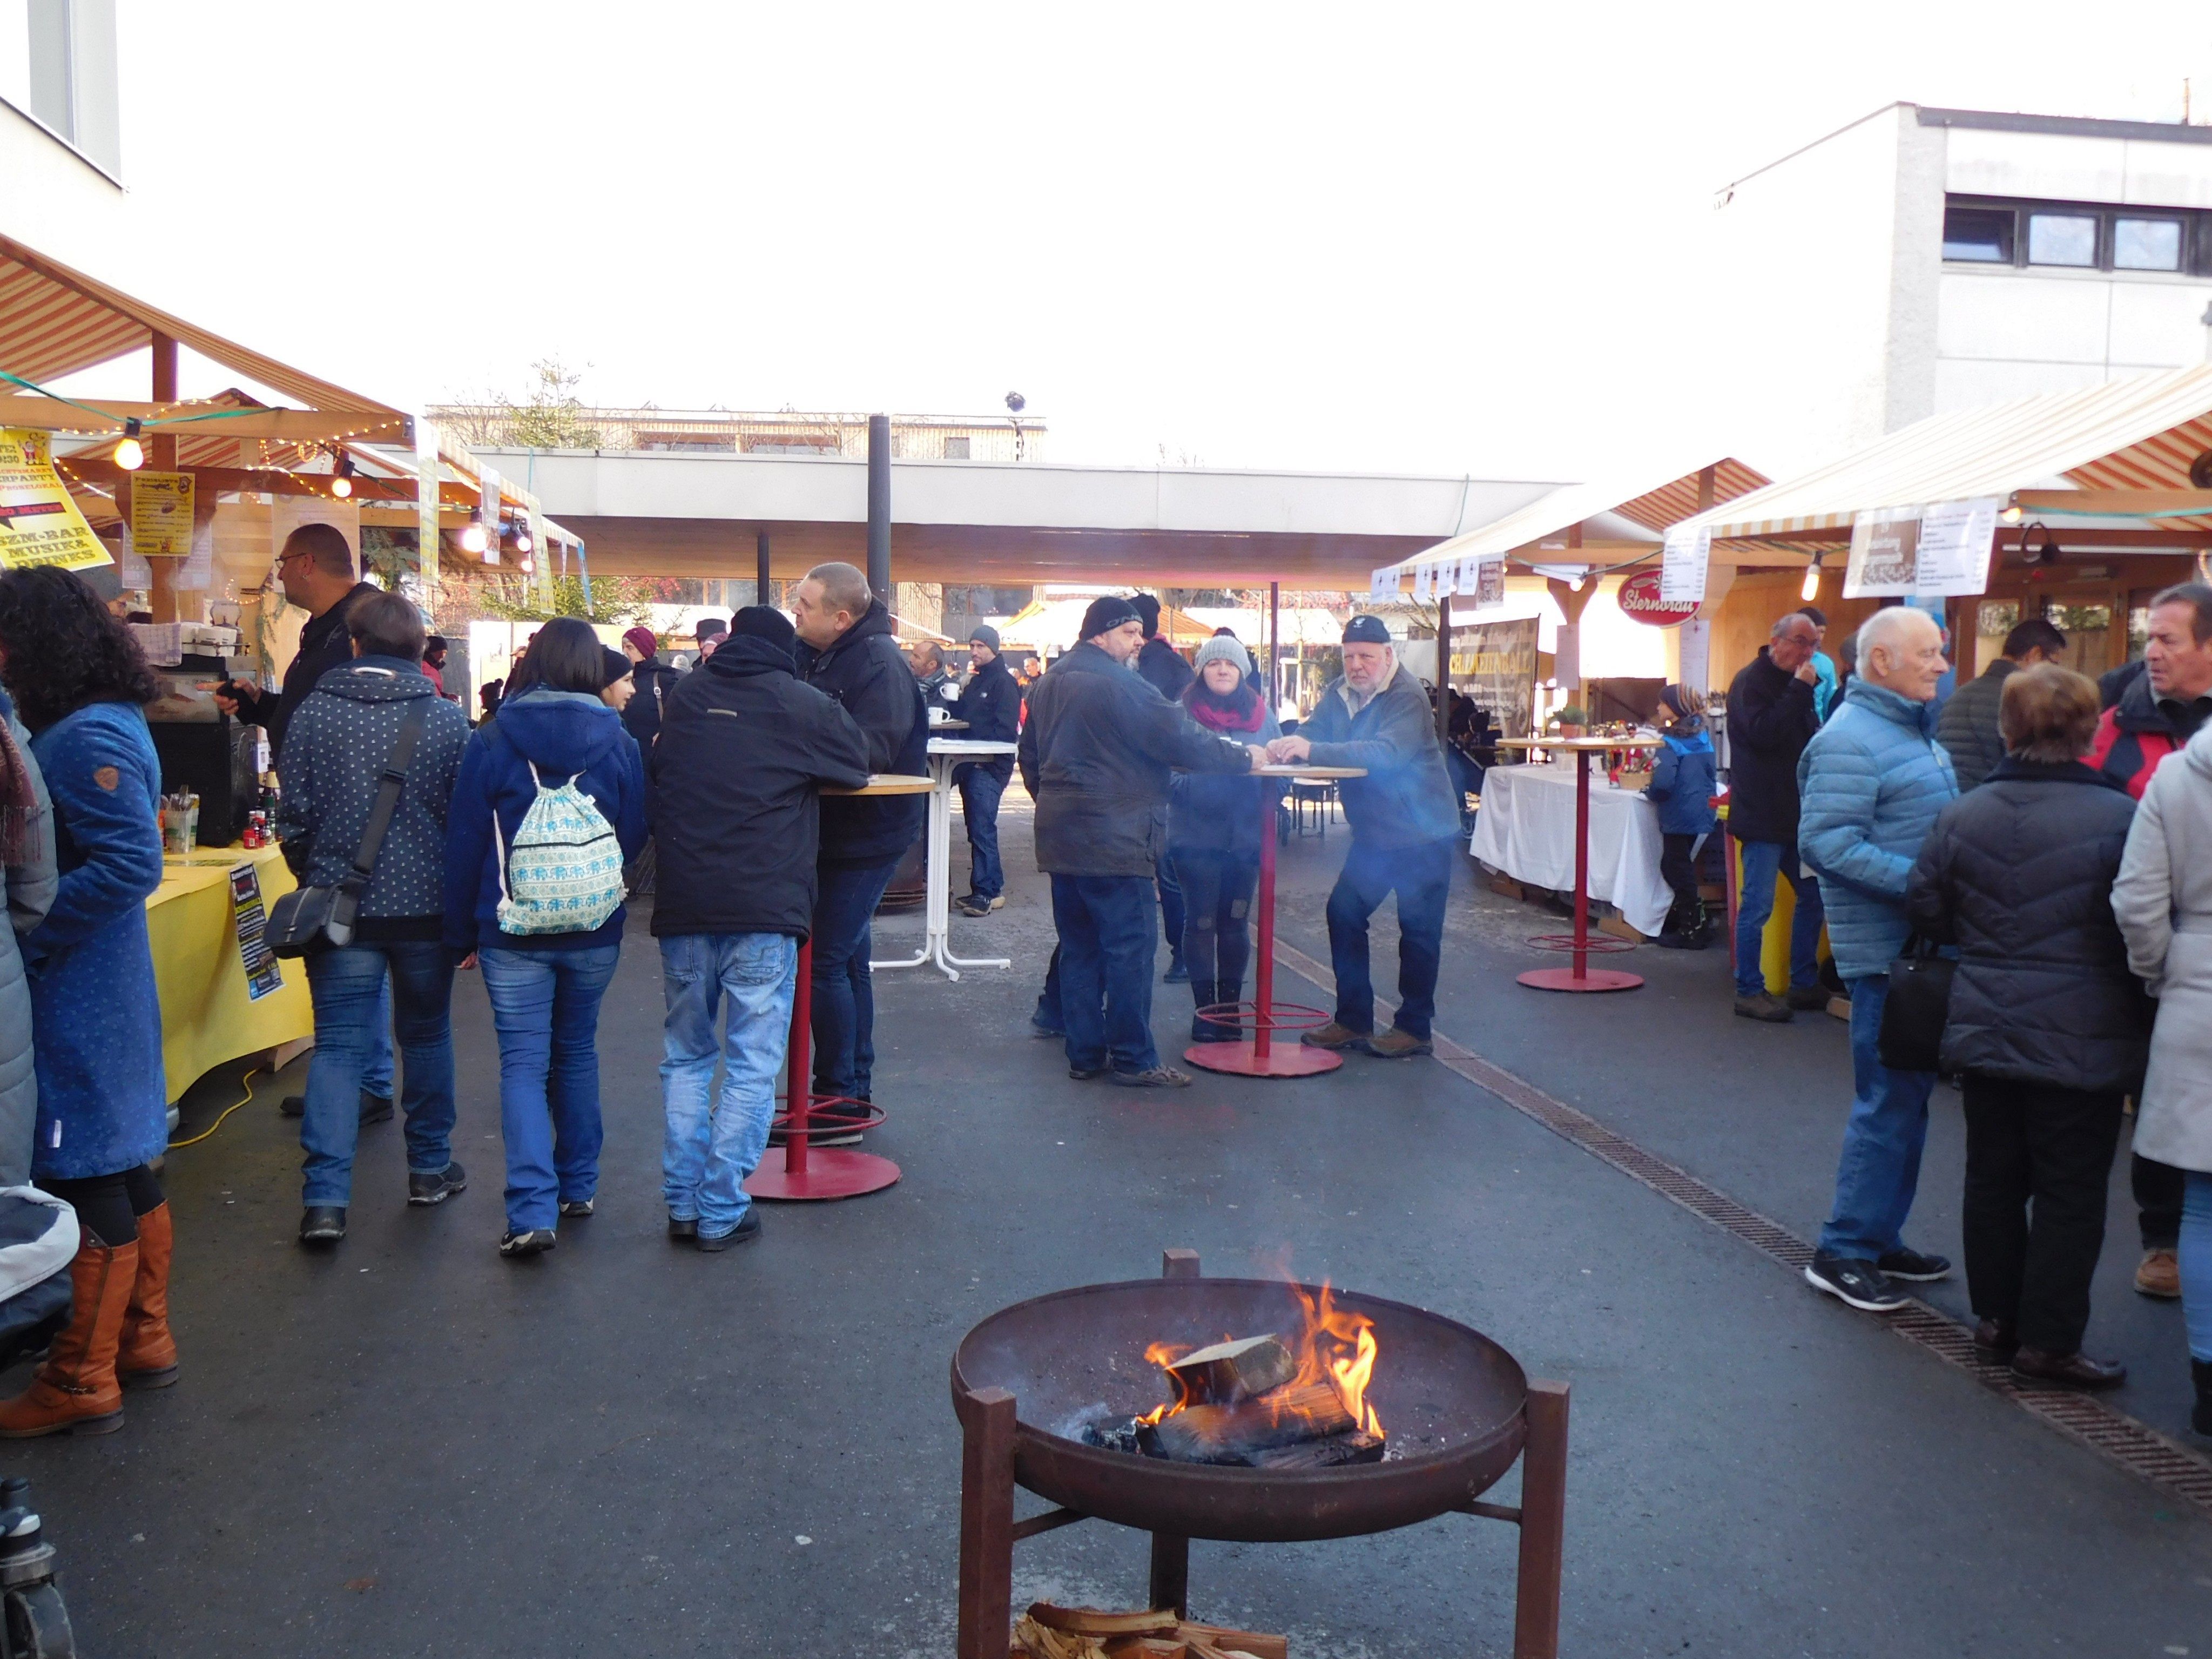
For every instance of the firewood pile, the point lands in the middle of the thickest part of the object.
(1046, 1631)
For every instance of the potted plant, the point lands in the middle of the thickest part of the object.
(1570, 721)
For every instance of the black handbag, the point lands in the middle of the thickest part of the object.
(311, 919)
(1917, 1009)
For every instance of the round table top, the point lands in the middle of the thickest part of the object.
(887, 783)
(1298, 769)
(970, 746)
(948, 726)
(1586, 743)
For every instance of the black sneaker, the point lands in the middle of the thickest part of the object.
(1858, 1282)
(323, 1224)
(1178, 971)
(1911, 1266)
(575, 1209)
(684, 1230)
(1160, 1077)
(438, 1186)
(530, 1241)
(744, 1233)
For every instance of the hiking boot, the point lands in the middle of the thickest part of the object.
(323, 1224)
(1809, 999)
(2159, 1273)
(1859, 1283)
(438, 1186)
(1395, 1044)
(1160, 1077)
(1333, 1036)
(1766, 1006)
(1912, 1265)
(744, 1233)
(75, 1390)
(1694, 938)
(530, 1241)
(146, 1356)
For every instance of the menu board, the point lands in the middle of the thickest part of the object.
(1935, 551)
(1683, 558)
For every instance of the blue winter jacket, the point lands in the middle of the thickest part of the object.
(564, 734)
(1870, 785)
(1682, 783)
(103, 1101)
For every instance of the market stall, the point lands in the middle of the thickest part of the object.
(223, 997)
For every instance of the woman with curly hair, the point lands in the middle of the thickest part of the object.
(80, 684)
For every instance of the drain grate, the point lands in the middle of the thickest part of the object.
(2133, 1446)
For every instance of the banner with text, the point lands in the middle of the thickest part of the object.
(1940, 550)
(1495, 664)
(38, 522)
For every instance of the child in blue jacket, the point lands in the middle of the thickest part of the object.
(1682, 788)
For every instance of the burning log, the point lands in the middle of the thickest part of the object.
(1337, 1449)
(1231, 1434)
(1229, 1372)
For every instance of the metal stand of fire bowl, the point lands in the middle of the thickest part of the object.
(1023, 1378)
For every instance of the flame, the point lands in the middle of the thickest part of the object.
(1335, 1346)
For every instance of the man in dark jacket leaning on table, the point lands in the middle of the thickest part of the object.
(1405, 823)
(1771, 719)
(1095, 754)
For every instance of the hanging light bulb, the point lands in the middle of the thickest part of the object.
(341, 476)
(130, 453)
(527, 564)
(2012, 515)
(522, 542)
(1811, 590)
(473, 539)
(1574, 585)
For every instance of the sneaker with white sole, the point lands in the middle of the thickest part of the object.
(438, 1186)
(1913, 1265)
(1861, 1283)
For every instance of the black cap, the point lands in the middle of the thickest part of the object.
(1148, 612)
(765, 622)
(712, 627)
(1366, 630)
(1110, 612)
(613, 665)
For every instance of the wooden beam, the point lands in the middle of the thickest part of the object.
(161, 450)
(101, 471)
(301, 425)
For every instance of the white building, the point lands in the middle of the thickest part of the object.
(61, 149)
(1923, 260)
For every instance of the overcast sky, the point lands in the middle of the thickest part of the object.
(1459, 239)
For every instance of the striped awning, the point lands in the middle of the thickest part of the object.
(2141, 433)
(1628, 514)
(54, 321)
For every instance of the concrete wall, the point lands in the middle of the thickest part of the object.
(56, 201)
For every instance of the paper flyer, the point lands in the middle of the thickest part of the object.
(161, 514)
(38, 522)
(1683, 558)
(1382, 585)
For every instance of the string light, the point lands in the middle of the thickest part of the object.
(130, 453)
(523, 545)
(473, 539)
(2012, 515)
(1811, 590)
(341, 476)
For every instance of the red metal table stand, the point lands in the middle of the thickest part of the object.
(1581, 976)
(1257, 1055)
(813, 1173)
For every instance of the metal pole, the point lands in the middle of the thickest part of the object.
(1581, 863)
(800, 1063)
(880, 507)
(1274, 646)
(1263, 986)
(1443, 669)
(761, 587)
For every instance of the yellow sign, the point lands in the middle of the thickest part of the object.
(38, 522)
(161, 515)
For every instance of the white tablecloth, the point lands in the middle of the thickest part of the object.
(1526, 829)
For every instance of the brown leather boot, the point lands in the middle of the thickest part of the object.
(148, 1356)
(75, 1388)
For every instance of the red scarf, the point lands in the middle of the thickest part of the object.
(1240, 711)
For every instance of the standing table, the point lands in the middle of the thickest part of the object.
(945, 754)
(813, 1174)
(1257, 1055)
(1581, 976)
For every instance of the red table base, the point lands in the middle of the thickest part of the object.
(810, 1174)
(1591, 979)
(1243, 1059)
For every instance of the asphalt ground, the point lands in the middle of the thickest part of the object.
(412, 1446)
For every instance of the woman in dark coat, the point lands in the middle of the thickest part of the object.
(2048, 1026)
(80, 684)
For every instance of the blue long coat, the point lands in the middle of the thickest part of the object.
(103, 1101)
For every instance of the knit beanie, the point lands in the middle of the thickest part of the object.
(1223, 648)
(1106, 613)
(613, 665)
(765, 622)
(985, 635)
(643, 638)
(1147, 608)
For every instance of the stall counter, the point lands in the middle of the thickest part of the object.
(208, 1016)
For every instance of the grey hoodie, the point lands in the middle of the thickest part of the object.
(2163, 899)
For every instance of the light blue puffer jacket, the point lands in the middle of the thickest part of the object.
(1870, 784)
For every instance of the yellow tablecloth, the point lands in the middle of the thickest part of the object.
(206, 1016)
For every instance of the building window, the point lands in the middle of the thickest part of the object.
(2146, 244)
(1982, 235)
(2062, 239)
(956, 449)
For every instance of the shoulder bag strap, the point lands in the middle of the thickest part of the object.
(387, 793)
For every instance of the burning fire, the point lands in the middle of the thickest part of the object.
(1335, 1346)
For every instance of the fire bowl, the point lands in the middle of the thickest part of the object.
(1452, 1402)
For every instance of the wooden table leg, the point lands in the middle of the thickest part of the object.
(1543, 1524)
(986, 1523)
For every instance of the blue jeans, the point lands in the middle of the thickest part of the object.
(1422, 876)
(1107, 939)
(979, 789)
(844, 993)
(1879, 1169)
(1048, 1013)
(376, 1074)
(2196, 1263)
(346, 987)
(545, 1007)
(1763, 861)
(712, 1146)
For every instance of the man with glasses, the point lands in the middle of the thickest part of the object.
(316, 570)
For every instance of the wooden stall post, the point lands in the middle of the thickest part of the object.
(161, 456)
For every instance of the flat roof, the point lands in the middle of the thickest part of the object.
(2076, 126)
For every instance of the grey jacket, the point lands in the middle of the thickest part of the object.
(30, 893)
(1405, 799)
(2163, 899)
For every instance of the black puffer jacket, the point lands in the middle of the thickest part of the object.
(2018, 874)
(865, 674)
(1967, 727)
(1096, 754)
(1771, 719)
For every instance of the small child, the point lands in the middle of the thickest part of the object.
(1682, 788)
